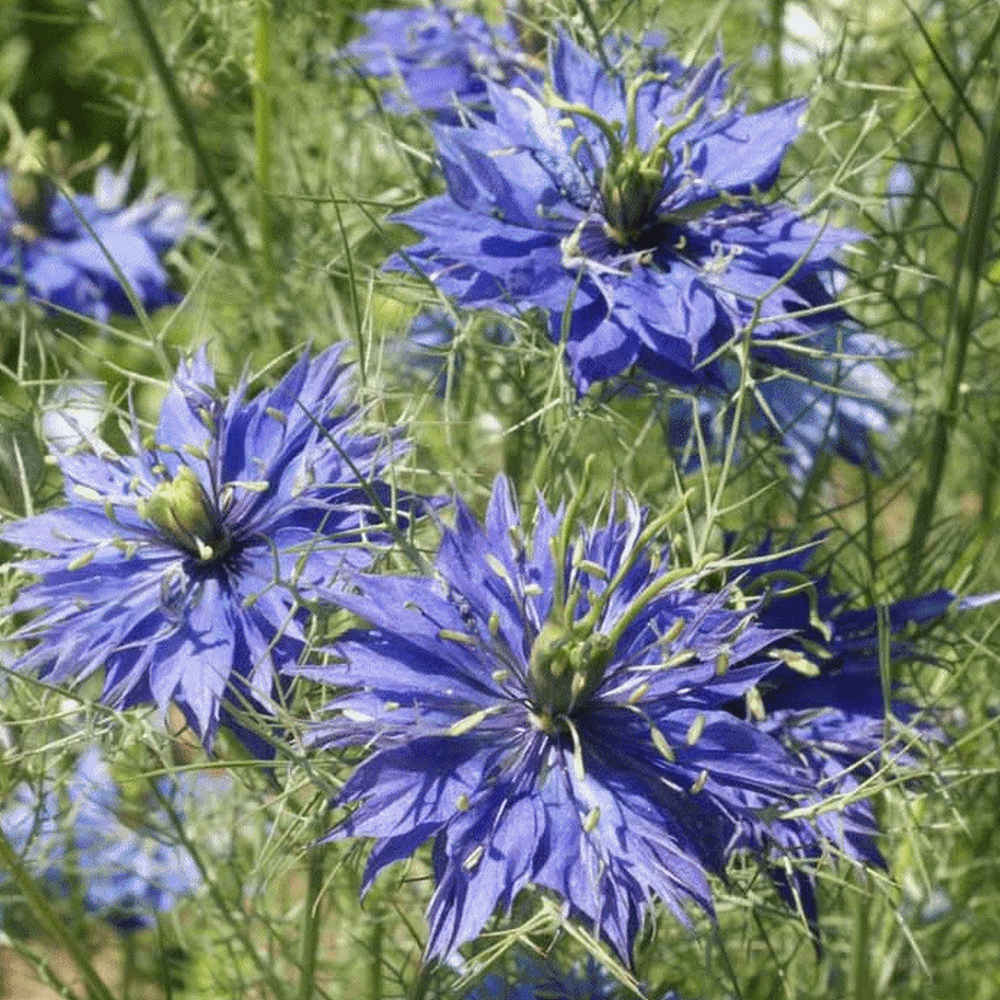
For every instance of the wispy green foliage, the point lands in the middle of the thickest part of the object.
(298, 166)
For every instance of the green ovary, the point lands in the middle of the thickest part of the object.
(180, 509)
(567, 666)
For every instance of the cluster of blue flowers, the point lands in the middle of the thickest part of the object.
(555, 706)
(564, 708)
(442, 57)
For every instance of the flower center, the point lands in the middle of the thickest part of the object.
(631, 183)
(182, 511)
(31, 164)
(566, 667)
(630, 194)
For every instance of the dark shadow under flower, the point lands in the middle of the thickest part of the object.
(628, 207)
(182, 569)
(565, 710)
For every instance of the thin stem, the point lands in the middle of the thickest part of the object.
(187, 125)
(262, 141)
(128, 966)
(310, 916)
(420, 985)
(777, 27)
(973, 252)
(860, 958)
(228, 912)
(375, 957)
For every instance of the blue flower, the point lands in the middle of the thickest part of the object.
(627, 206)
(826, 705)
(443, 58)
(429, 342)
(561, 709)
(828, 395)
(56, 251)
(182, 569)
(535, 978)
(72, 831)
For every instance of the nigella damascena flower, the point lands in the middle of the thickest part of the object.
(428, 352)
(563, 709)
(827, 705)
(181, 569)
(70, 832)
(59, 252)
(443, 58)
(827, 394)
(628, 207)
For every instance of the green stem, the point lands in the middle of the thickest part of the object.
(262, 140)
(128, 966)
(187, 125)
(777, 36)
(223, 905)
(860, 957)
(310, 916)
(375, 957)
(9, 860)
(595, 29)
(973, 252)
(420, 985)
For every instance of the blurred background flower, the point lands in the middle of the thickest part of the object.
(71, 834)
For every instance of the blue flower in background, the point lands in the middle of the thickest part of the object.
(829, 395)
(57, 250)
(827, 706)
(181, 569)
(534, 978)
(442, 57)
(427, 345)
(71, 832)
(561, 709)
(627, 207)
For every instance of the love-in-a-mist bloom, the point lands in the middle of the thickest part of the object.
(73, 254)
(827, 394)
(69, 834)
(181, 569)
(628, 206)
(827, 705)
(554, 709)
(441, 56)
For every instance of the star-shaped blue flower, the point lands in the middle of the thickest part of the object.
(562, 708)
(56, 251)
(828, 707)
(182, 569)
(627, 205)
